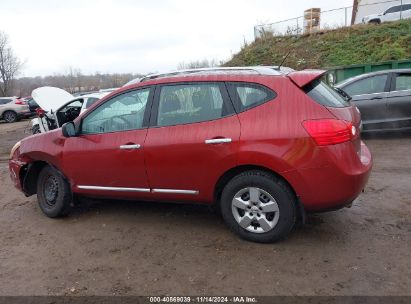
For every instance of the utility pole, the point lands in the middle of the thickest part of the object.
(401, 11)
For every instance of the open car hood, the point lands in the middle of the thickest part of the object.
(51, 98)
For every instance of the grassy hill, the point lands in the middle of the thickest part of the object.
(352, 45)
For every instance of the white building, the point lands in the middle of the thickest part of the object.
(364, 8)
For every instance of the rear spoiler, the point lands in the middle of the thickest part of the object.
(302, 78)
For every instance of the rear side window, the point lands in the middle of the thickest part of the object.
(325, 95)
(249, 95)
(190, 103)
(403, 82)
(370, 85)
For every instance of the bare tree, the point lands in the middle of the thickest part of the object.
(205, 63)
(10, 65)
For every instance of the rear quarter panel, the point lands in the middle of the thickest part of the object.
(272, 135)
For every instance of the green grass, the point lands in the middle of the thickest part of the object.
(351, 45)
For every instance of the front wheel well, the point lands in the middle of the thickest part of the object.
(375, 21)
(29, 180)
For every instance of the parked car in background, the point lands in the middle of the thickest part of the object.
(393, 13)
(383, 98)
(109, 90)
(59, 107)
(263, 144)
(13, 109)
(132, 81)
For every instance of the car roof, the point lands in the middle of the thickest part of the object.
(95, 95)
(366, 75)
(216, 71)
(256, 70)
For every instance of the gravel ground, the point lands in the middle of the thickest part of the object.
(135, 248)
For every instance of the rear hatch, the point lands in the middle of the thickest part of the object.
(341, 108)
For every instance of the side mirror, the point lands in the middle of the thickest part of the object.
(69, 129)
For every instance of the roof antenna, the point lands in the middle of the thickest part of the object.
(284, 59)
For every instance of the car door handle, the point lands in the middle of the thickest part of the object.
(130, 147)
(377, 97)
(216, 141)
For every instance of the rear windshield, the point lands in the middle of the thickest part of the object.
(325, 95)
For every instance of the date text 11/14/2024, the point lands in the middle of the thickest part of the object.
(202, 299)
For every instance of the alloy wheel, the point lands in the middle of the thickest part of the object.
(9, 116)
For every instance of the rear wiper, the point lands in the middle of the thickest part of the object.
(343, 93)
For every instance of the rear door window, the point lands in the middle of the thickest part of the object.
(393, 9)
(325, 95)
(249, 95)
(190, 103)
(370, 85)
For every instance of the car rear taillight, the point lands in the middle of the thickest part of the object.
(20, 102)
(330, 131)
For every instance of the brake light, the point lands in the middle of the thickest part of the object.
(19, 102)
(330, 131)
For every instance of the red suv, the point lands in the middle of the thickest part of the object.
(265, 145)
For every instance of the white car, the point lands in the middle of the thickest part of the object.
(393, 13)
(59, 107)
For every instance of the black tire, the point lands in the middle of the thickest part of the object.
(10, 116)
(35, 129)
(53, 193)
(271, 185)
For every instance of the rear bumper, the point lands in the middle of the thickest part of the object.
(338, 183)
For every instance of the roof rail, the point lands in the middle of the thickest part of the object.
(261, 70)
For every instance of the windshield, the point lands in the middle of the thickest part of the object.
(325, 95)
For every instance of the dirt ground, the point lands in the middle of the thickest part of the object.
(134, 248)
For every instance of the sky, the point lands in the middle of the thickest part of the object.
(140, 36)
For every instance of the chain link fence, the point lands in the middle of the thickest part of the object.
(314, 19)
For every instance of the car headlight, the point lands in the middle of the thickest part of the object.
(15, 147)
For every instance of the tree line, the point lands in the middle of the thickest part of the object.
(73, 80)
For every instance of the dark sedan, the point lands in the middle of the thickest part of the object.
(31, 103)
(383, 98)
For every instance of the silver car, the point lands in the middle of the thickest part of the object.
(12, 109)
(383, 98)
